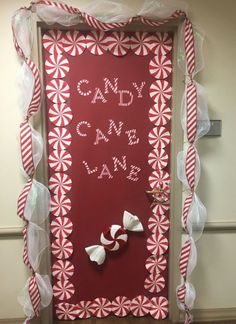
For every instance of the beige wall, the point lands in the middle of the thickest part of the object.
(215, 274)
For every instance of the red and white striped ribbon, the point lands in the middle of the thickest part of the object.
(157, 23)
(189, 47)
(191, 111)
(190, 166)
(184, 258)
(25, 248)
(26, 148)
(36, 97)
(34, 294)
(187, 204)
(23, 198)
(97, 24)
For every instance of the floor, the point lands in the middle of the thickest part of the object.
(131, 320)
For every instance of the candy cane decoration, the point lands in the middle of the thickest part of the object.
(114, 238)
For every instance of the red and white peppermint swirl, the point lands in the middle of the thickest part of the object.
(163, 44)
(159, 307)
(155, 264)
(59, 138)
(60, 205)
(85, 309)
(158, 159)
(118, 43)
(140, 306)
(63, 269)
(114, 238)
(159, 137)
(63, 290)
(52, 41)
(60, 183)
(160, 91)
(62, 248)
(160, 67)
(60, 114)
(157, 244)
(58, 91)
(154, 283)
(120, 306)
(96, 42)
(65, 311)
(158, 223)
(61, 227)
(158, 178)
(60, 161)
(74, 42)
(102, 307)
(57, 66)
(141, 43)
(159, 114)
(160, 208)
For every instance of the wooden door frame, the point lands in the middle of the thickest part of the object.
(176, 146)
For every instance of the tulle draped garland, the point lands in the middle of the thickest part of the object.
(34, 201)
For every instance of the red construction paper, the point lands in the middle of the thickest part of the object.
(99, 199)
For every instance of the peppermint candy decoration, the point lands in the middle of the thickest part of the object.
(59, 138)
(157, 244)
(58, 91)
(65, 311)
(160, 91)
(154, 283)
(156, 264)
(52, 41)
(74, 42)
(159, 137)
(160, 114)
(114, 238)
(140, 306)
(163, 44)
(60, 205)
(102, 307)
(57, 66)
(60, 160)
(62, 248)
(63, 290)
(84, 309)
(159, 177)
(96, 42)
(159, 308)
(62, 269)
(120, 306)
(60, 183)
(61, 227)
(160, 67)
(60, 114)
(158, 159)
(118, 43)
(141, 43)
(160, 208)
(158, 223)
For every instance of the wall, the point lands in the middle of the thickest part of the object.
(215, 274)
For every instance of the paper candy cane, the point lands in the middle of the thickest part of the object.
(114, 238)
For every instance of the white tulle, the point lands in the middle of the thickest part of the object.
(108, 11)
(38, 241)
(37, 203)
(26, 84)
(192, 258)
(45, 290)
